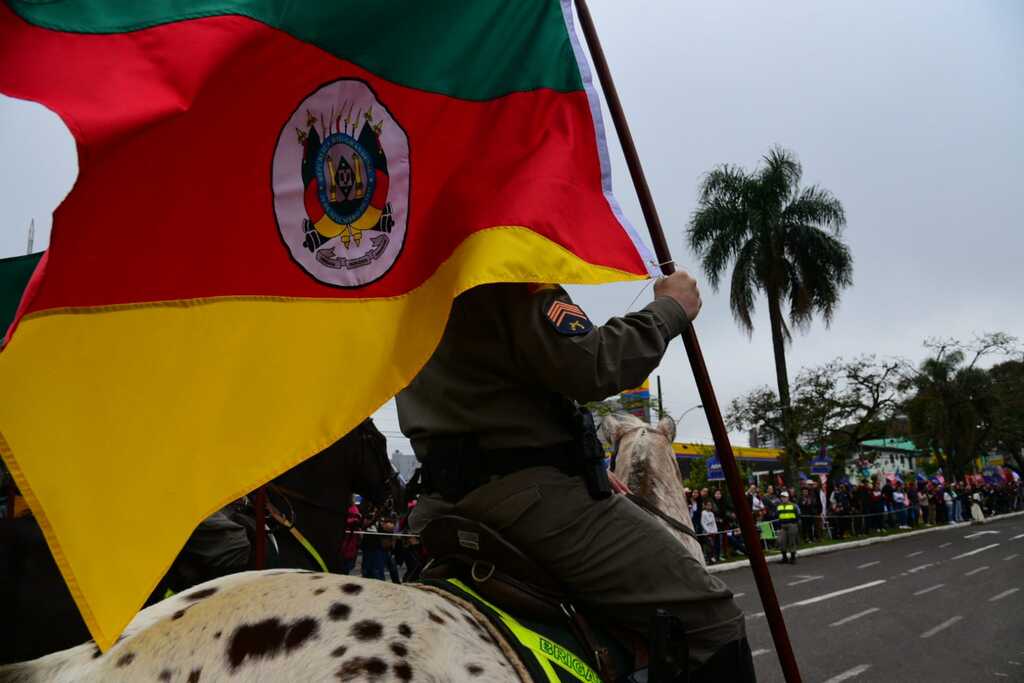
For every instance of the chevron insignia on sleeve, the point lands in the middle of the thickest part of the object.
(568, 318)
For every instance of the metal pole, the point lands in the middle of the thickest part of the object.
(31, 235)
(700, 372)
(661, 403)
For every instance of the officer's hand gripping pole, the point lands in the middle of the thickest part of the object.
(700, 372)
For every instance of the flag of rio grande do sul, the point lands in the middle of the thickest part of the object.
(276, 203)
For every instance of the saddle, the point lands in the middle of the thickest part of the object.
(463, 548)
(500, 573)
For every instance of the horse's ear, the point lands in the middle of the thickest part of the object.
(667, 426)
(612, 427)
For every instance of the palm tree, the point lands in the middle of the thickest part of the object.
(784, 241)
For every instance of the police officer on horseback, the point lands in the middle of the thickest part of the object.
(493, 418)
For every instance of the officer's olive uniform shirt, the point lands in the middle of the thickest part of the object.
(503, 367)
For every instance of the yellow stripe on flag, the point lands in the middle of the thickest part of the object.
(135, 422)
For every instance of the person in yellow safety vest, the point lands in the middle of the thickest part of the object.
(789, 533)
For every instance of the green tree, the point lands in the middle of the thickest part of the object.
(845, 402)
(955, 404)
(1008, 424)
(783, 241)
(838, 404)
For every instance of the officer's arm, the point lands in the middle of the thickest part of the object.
(585, 362)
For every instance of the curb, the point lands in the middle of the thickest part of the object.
(810, 552)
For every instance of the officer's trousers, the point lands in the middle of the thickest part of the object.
(789, 537)
(616, 560)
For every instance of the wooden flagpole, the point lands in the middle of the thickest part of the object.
(751, 538)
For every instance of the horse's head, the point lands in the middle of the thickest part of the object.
(641, 450)
(645, 461)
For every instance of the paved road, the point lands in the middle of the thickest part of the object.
(942, 606)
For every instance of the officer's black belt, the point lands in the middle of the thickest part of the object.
(454, 473)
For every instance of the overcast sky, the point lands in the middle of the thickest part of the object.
(909, 112)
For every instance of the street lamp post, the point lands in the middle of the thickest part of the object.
(688, 411)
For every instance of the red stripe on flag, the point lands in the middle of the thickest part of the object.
(176, 128)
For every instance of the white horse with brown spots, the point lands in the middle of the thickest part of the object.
(302, 626)
(292, 625)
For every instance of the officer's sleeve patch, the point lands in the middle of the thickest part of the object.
(568, 318)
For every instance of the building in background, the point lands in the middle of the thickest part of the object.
(405, 463)
(884, 457)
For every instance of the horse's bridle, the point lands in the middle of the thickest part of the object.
(615, 449)
(643, 503)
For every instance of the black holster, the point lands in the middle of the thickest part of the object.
(589, 455)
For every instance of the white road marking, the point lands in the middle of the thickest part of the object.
(980, 533)
(1010, 557)
(975, 552)
(758, 653)
(1001, 675)
(917, 569)
(946, 624)
(851, 673)
(929, 590)
(806, 578)
(945, 544)
(1003, 594)
(868, 564)
(738, 595)
(976, 571)
(1017, 536)
(835, 594)
(852, 617)
(919, 552)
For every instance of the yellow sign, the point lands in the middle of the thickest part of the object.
(700, 450)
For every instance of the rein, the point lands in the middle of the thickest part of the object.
(642, 503)
(276, 515)
(672, 522)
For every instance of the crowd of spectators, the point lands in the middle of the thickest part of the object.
(375, 543)
(847, 509)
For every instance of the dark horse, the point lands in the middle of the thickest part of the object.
(39, 616)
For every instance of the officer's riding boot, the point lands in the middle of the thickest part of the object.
(670, 653)
(792, 558)
(784, 558)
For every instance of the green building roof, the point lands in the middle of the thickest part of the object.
(902, 445)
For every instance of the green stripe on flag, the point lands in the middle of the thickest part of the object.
(14, 275)
(475, 50)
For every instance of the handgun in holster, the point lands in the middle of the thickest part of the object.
(589, 455)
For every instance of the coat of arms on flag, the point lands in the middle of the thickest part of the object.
(345, 222)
